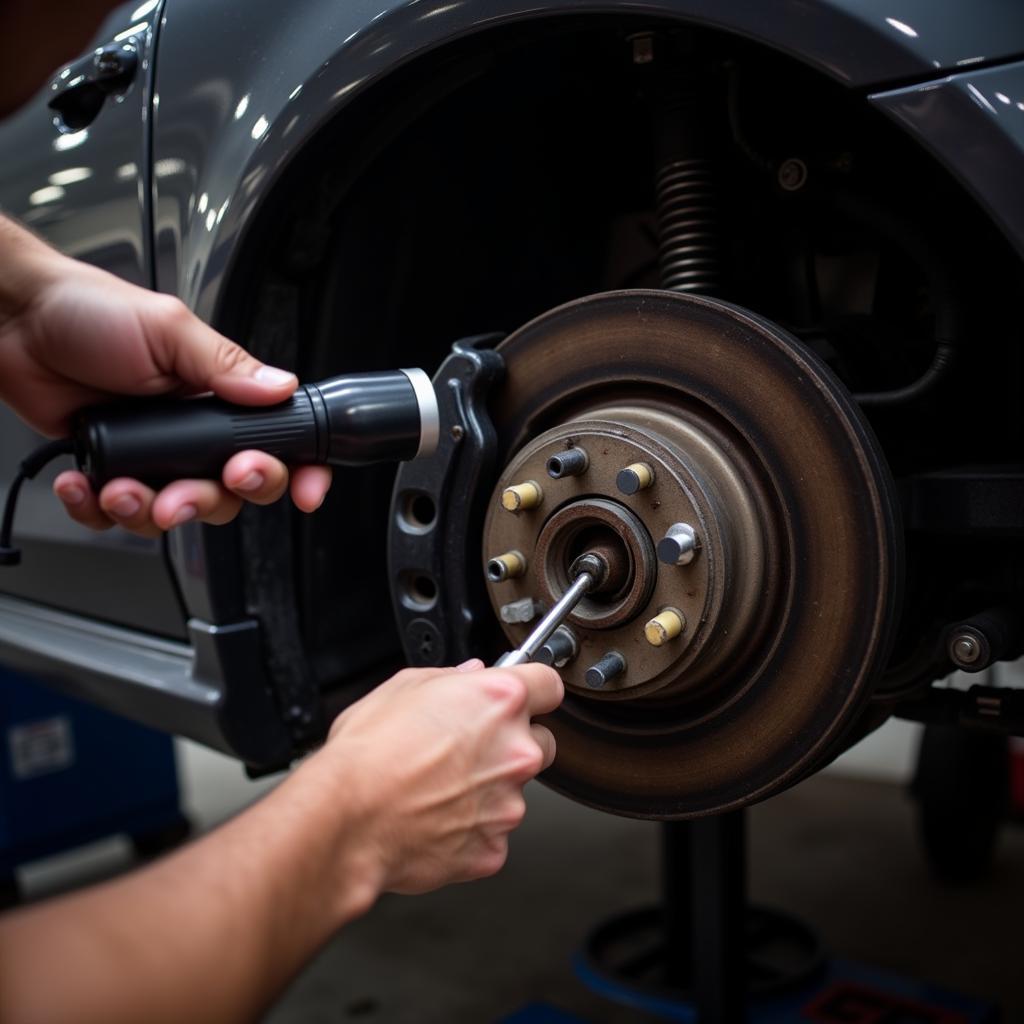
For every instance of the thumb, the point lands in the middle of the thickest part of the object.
(203, 358)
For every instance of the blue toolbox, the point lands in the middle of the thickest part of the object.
(71, 774)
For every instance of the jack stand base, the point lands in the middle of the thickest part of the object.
(624, 958)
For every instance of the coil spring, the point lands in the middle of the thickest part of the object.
(688, 250)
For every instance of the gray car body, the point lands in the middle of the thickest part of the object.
(227, 96)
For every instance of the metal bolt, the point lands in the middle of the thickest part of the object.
(559, 649)
(520, 497)
(506, 567)
(523, 610)
(572, 462)
(637, 477)
(964, 649)
(594, 564)
(665, 626)
(678, 546)
(792, 174)
(608, 668)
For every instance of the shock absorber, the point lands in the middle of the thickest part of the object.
(688, 239)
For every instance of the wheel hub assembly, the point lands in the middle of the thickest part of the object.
(747, 520)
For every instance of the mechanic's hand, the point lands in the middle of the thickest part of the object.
(435, 760)
(72, 335)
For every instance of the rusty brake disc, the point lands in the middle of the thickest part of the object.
(735, 487)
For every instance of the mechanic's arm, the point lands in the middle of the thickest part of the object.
(71, 335)
(418, 785)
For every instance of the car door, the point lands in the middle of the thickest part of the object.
(82, 181)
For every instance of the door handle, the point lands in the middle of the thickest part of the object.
(80, 94)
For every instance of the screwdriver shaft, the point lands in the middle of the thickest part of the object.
(554, 618)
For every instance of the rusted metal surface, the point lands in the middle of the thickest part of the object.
(789, 602)
(608, 529)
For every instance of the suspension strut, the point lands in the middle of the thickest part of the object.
(687, 216)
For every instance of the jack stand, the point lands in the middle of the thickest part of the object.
(704, 953)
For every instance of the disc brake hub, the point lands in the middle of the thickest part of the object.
(747, 520)
(696, 483)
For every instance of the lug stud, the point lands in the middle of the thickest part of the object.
(559, 649)
(637, 477)
(523, 610)
(608, 668)
(520, 497)
(665, 626)
(678, 546)
(572, 462)
(506, 567)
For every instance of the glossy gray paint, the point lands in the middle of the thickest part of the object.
(212, 689)
(242, 86)
(86, 193)
(99, 216)
(974, 124)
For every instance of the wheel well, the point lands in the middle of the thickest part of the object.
(514, 170)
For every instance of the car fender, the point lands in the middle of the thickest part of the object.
(973, 123)
(240, 89)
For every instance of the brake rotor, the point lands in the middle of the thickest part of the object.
(748, 515)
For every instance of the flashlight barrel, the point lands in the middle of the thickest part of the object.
(353, 420)
(376, 417)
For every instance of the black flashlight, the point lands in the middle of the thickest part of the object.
(352, 420)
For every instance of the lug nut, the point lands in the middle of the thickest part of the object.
(678, 546)
(559, 649)
(665, 626)
(572, 462)
(523, 610)
(608, 668)
(506, 567)
(520, 497)
(637, 477)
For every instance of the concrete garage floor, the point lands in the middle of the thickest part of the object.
(839, 853)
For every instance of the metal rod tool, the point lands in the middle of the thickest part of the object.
(589, 572)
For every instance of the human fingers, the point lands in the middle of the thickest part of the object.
(185, 347)
(473, 665)
(309, 486)
(255, 476)
(544, 687)
(488, 858)
(407, 679)
(526, 690)
(185, 500)
(129, 504)
(501, 811)
(545, 739)
(72, 488)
